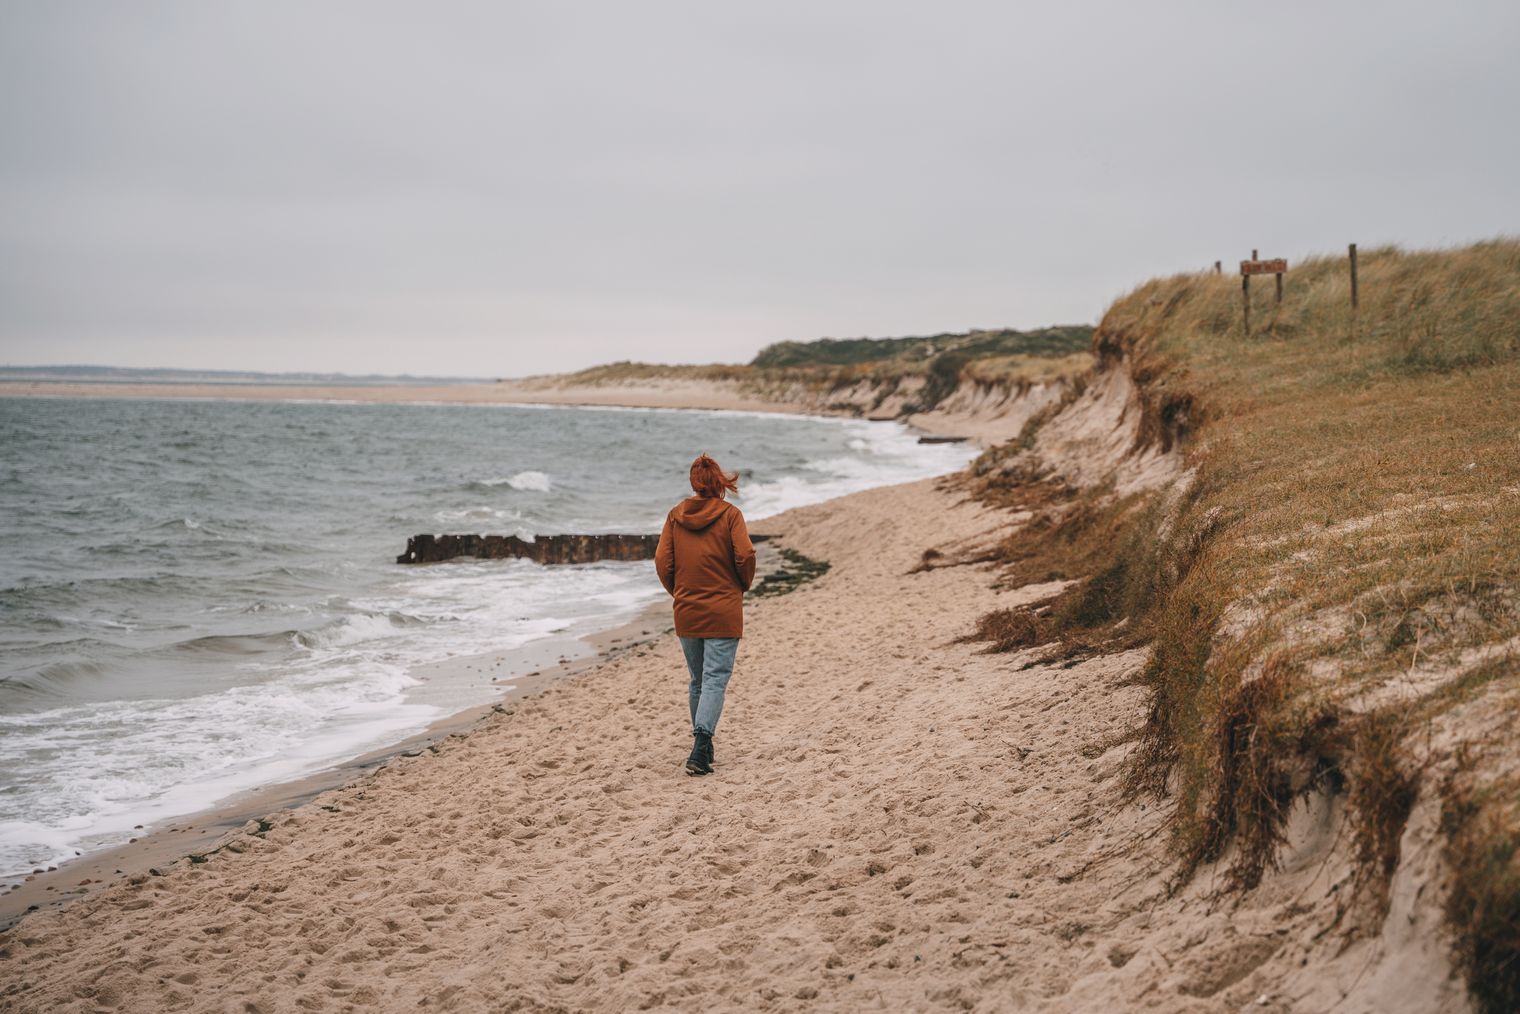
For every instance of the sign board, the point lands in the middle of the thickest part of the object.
(1272, 267)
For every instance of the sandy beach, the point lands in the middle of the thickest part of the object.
(897, 821)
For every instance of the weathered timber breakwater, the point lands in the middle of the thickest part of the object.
(544, 549)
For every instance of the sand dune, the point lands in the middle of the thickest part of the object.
(897, 822)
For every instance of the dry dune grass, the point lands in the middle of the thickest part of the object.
(1333, 595)
(1027, 369)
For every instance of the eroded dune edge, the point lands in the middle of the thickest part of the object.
(1195, 694)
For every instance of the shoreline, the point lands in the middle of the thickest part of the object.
(197, 832)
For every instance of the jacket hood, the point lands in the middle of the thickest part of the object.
(696, 513)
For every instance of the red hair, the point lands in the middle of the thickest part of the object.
(707, 479)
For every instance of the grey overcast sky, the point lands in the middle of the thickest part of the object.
(496, 189)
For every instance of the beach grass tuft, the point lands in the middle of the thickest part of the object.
(1483, 906)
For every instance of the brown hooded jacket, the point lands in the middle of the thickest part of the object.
(705, 559)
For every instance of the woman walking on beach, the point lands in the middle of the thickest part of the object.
(706, 561)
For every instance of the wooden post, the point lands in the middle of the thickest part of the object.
(1246, 291)
(1353, 276)
(1218, 268)
(1278, 276)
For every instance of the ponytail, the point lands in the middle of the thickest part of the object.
(708, 479)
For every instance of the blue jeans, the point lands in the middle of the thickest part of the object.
(710, 660)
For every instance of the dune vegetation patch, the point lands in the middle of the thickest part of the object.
(1044, 343)
(868, 376)
(1331, 590)
(795, 571)
(1480, 818)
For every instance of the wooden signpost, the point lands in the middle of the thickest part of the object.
(1255, 266)
(1352, 249)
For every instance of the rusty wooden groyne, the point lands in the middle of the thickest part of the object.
(544, 549)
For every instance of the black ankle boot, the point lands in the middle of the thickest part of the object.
(710, 742)
(701, 749)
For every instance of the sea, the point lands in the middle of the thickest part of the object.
(200, 597)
